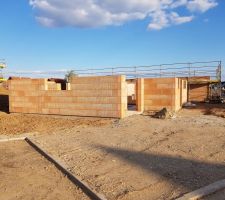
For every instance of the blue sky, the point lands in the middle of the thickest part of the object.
(36, 38)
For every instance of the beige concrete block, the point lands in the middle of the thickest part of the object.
(58, 86)
(54, 93)
(103, 86)
(148, 102)
(94, 93)
(68, 86)
(96, 79)
(114, 114)
(61, 99)
(96, 100)
(165, 86)
(45, 111)
(78, 112)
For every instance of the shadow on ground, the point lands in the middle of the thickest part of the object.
(217, 109)
(188, 173)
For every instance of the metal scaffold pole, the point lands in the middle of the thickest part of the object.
(220, 78)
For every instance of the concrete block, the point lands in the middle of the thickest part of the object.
(96, 79)
(68, 86)
(104, 86)
(104, 96)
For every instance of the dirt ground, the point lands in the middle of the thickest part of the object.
(15, 123)
(25, 175)
(144, 158)
(138, 157)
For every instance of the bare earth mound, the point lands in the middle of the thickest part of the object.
(26, 175)
(14, 124)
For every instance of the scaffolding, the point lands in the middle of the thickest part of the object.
(209, 73)
(212, 69)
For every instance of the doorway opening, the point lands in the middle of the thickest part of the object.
(131, 94)
(135, 96)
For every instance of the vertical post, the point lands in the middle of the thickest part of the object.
(135, 71)
(140, 94)
(160, 71)
(189, 69)
(220, 70)
(123, 96)
(188, 81)
(220, 77)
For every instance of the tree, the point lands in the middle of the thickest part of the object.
(70, 74)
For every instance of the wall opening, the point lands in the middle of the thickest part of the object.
(135, 95)
(131, 95)
(56, 84)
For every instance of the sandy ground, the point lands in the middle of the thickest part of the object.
(15, 123)
(138, 157)
(143, 158)
(19, 123)
(26, 175)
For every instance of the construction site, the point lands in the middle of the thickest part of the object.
(145, 132)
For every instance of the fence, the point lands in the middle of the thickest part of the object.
(191, 69)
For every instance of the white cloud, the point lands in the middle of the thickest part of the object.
(162, 20)
(97, 13)
(179, 3)
(201, 5)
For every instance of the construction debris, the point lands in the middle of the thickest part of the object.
(189, 104)
(164, 114)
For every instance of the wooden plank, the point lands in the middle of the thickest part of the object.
(204, 191)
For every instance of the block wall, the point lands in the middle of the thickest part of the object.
(164, 92)
(24, 95)
(180, 93)
(159, 93)
(198, 92)
(140, 94)
(177, 94)
(197, 88)
(184, 92)
(85, 96)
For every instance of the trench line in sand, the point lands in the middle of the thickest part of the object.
(62, 167)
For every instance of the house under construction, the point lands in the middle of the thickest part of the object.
(114, 92)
